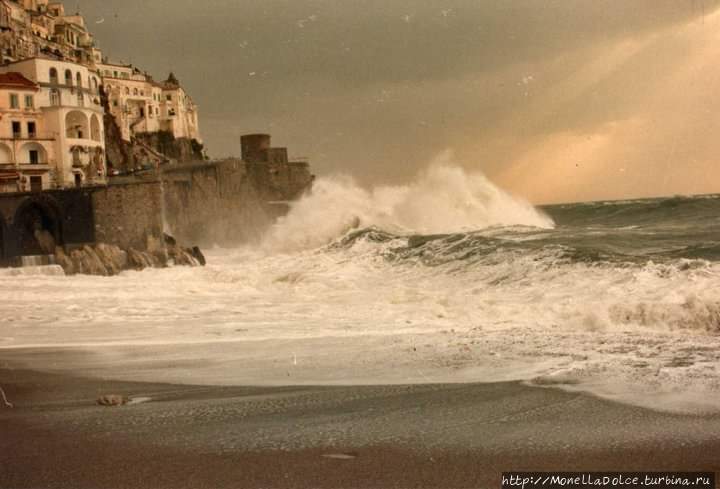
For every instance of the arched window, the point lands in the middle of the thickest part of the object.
(135, 91)
(53, 76)
(127, 91)
(68, 78)
(95, 85)
(80, 99)
(78, 77)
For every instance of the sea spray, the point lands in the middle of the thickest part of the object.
(442, 199)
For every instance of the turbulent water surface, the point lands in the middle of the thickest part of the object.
(445, 279)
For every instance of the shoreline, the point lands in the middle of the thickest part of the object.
(437, 435)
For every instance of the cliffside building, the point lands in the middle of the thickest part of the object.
(57, 94)
(51, 125)
(142, 105)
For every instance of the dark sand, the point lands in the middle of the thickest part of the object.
(433, 436)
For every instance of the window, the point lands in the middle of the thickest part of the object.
(78, 180)
(127, 91)
(68, 78)
(17, 129)
(78, 77)
(115, 74)
(168, 98)
(36, 182)
(55, 97)
(80, 99)
(135, 91)
(53, 76)
(14, 101)
(32, 130)
(34, 157)
(29, 101)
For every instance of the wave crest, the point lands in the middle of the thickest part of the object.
(442, 199)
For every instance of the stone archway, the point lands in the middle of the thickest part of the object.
(6, 155)
(38, 224)
(33, 153)
(76, 125)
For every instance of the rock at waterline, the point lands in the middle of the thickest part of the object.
(111, 400)
(108, 260)
(198, 255)
(341, 456)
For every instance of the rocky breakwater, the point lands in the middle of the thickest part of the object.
(108, 260)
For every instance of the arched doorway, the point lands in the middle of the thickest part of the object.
(5, 154)
(38, 224)
(33, 153)
(76, 125)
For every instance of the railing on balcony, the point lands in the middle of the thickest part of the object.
(33, 136)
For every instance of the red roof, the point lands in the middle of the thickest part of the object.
(16, 81)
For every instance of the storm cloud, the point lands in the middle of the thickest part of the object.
(556, 100)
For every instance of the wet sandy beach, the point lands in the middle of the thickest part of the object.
(429, 436)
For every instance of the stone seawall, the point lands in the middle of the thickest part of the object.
(223, 202)
(230, 201)
(214, 203)
(125, 214)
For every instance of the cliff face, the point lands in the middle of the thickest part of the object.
(118, 152)
(146, 149)
(176, 149)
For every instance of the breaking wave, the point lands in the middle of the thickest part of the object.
(445, 279)
(442, 199)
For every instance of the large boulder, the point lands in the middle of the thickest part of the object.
(62, 259)
(93, 261)
(154, 245)
(114, 259)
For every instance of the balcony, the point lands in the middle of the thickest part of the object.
(83, 142)
(36, 136)
(34, 166)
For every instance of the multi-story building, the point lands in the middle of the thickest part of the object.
(67, 119)
(49, 56)
(141, 105)
(30, 28)
(26, 151)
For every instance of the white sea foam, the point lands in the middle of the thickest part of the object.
(442, 199)
(356, 313)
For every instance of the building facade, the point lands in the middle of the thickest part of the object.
(67, 119)
(141, 105)
(49, 57)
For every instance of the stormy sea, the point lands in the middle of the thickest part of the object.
(445, 279)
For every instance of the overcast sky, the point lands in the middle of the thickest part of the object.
(556, 100)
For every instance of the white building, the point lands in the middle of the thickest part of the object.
(142, 105)
(69, 121)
